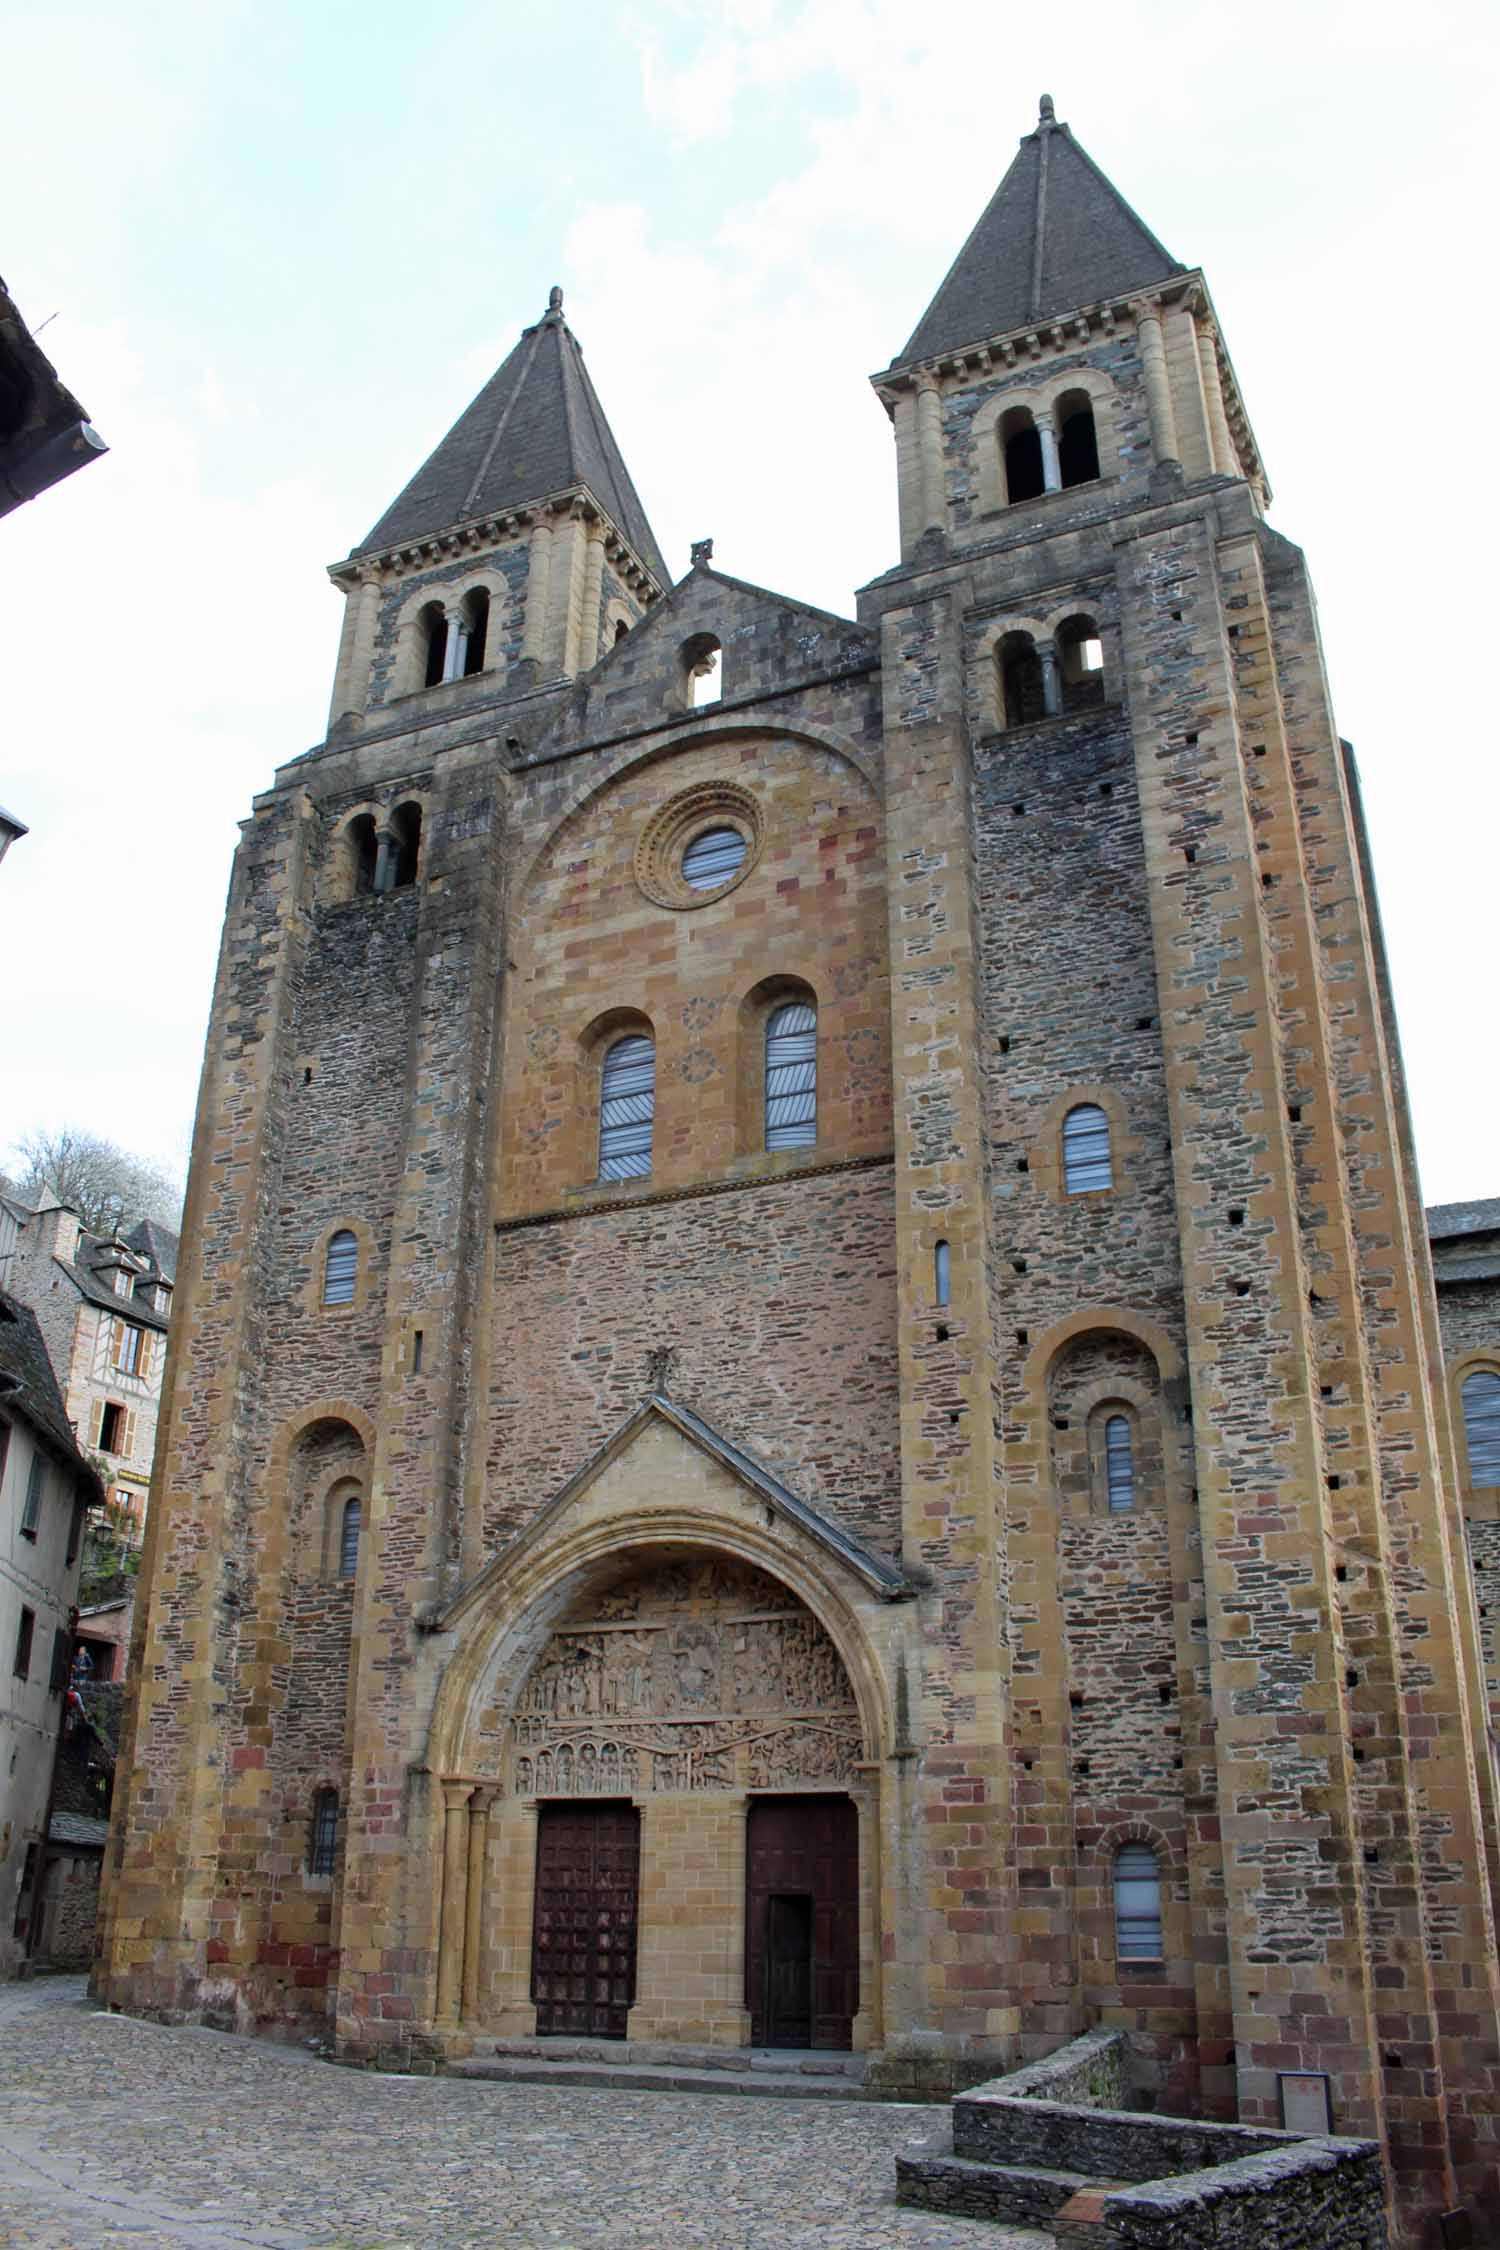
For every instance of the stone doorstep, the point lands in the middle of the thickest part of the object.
(785, 2062)
(661, 2078)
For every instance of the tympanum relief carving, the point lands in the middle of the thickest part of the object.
(694, 1676)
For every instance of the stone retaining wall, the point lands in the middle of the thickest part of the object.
(1313, 2195)
(1089, 2072)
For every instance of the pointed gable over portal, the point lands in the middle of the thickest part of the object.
(1055, 235)
(535, 432)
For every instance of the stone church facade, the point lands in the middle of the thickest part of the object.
(805, 1403)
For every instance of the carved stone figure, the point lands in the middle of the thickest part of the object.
(667, 1681)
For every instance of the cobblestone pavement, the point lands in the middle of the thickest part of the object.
(117, 2132)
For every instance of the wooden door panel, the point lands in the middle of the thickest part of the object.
(802, 1849)
(584, 1924)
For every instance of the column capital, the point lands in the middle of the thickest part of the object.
(456, 1795)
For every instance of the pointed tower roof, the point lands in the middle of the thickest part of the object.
(1055, 235)
(537, 428)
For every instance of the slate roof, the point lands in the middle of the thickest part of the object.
(157, 1244)
(44, 433)
(1055, 235)
(536, 428)
(29, 1387)
(93, 1251)
(1444, 1220)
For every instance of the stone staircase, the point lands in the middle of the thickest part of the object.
(1099, 2177)
(631, 2065)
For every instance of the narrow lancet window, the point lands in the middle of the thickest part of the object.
(792, 1076)
(349, 1538)
(323, 1843)
(1086, 1160)
(1481, 1401)
(1119, 1464)
(1137, 1904)
(942, 1274)
(627, 1106)
(340, 1268)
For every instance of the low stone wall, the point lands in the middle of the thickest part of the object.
(993, 2126)
(1089, 2072)
(1312, 2195)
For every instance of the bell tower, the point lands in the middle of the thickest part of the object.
(1168, 1155)
(516, 554)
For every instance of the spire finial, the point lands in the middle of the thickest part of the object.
(1047, 114)
(554, 302)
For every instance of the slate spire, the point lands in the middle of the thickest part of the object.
(535, 431)
(1055, 235)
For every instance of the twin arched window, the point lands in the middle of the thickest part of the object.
(1086, 1157)
(1050, 679)
(340, 1268)
(1137, 1889)
(1050, 448)
(627, 1085)
(1481, 1406)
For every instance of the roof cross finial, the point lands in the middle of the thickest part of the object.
(1047, 114)
(703, 553)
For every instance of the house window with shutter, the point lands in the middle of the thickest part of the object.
(340, 1268)
(31, 1509)
(627, 1107)
(1086, 1161)
(1119, 1464)
(128, 1347)
(792, 1076)
(62, 1661)
(323, 1841)
(1137, 1904)
(1481, 1404)
(349, 1528)
(115, 1430)
(25, 1633)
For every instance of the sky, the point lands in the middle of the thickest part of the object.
(275, 250)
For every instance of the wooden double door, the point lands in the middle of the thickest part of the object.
(802, 1921)
(588, 1873)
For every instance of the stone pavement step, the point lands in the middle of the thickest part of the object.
(928, 2179)
(663, 2078)
(789, 2061)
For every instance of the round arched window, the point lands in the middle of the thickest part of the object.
(712, 858)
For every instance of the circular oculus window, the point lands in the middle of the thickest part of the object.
(700, 845)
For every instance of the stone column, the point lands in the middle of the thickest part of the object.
(1046, 430)
(930, 450)
(1221, 444)
(1190, 409)
(479, 1837)
(1051, 685)
(565, 601)
(593, 592)
(456, 1795)
(1158, 389)
(456, 647)
(908, 470)
(538, 588)
(356, 648)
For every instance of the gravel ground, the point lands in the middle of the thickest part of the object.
(114, 2132)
